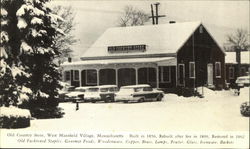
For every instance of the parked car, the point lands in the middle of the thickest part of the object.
(139, 93)
(100, 93)
(77, 94)
(67, 88)
(243, 81)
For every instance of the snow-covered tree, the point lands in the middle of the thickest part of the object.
(28, 32)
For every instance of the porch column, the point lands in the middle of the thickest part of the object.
(157, 77)
(136, 76)
(97, 77)
(80, 77)
(116, 76)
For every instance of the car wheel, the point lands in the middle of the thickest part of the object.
(141, 99)
(125, 101)
(107, 100)
(159, 98)
(93, 101)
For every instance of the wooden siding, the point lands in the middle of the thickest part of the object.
(205, 51)
(172, 82)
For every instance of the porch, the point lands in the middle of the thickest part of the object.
(158, 72)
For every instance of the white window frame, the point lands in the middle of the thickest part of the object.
(215, 68)
(74, 77)
(231, 68)
(162, 74)
(65, 77)
(86, 77)
(192, 77)
(179, 74)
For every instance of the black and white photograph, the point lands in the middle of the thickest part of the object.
(124, 73)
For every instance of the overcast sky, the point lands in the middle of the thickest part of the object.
(93, 17)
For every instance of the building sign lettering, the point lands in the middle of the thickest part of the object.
(127, 49)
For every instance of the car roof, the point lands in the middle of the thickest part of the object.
(83, 87)
(244, 77)
(107, 86)
(135, 86)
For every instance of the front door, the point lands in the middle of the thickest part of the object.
(210, 74)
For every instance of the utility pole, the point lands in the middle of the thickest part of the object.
(238, 59)
(153, 17)
(156, 17)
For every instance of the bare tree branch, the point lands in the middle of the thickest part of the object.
(132, 17)
(238, 40)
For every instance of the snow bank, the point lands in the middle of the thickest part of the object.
(206, 91)
(14, 112)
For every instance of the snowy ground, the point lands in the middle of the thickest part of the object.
(218, 111)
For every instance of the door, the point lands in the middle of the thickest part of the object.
(210, 74)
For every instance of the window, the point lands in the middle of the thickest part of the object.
(95, 89)
(217, 69)
(201, 29)
(165, 74)
(231, 72)
(243, 71)
(191, 69)
(147, 89)
(67, 75)
(91, 77)
(76, 75)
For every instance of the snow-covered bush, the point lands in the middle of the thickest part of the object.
(245, 109)
(12, 117)
(44, 113)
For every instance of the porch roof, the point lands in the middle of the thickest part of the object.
(160, 60)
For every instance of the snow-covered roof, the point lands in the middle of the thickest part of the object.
(159, 39)
(231, 57)
(119, 61)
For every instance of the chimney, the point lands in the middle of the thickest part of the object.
(172, 22)
(69, 59)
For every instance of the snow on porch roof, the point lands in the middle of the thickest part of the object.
(231, 57)
(122, 61)
(159, 39)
